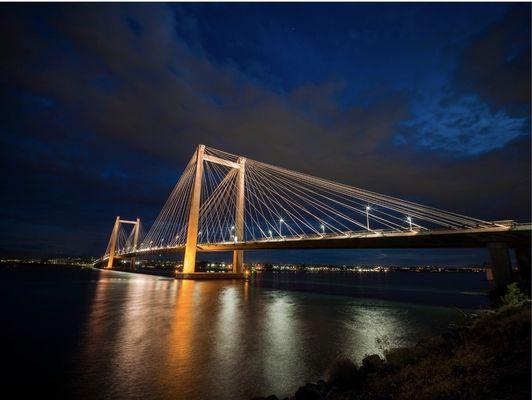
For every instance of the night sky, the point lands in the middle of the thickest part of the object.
(102, 105)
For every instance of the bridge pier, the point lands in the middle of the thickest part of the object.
(500, 264)
(522, 255)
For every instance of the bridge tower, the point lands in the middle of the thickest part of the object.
(189, 262)
(113, 241)
(238, 255)
(136, 232)
(112, 247)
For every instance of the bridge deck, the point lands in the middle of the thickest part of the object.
(518, 235)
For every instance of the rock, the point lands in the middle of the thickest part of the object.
(372, 364)
(383, 397)
(323, 388)
(309, 392)
(343, 373)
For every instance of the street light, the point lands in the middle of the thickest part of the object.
(270, 232)
(409, 219)
(280, 225)
(367, 216)
(322, 229)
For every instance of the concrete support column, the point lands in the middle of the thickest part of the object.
(136, 235)
(522, 255)
(189, 262)
(136, 231)
(112, 247)
(500, 264)
(238, 255)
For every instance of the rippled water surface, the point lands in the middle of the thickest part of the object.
(113, 335)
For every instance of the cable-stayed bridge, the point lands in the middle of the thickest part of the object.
(225, 202)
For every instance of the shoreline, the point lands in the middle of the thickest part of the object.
(489, 357)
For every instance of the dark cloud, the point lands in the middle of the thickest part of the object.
(497, 63)
(113, 99)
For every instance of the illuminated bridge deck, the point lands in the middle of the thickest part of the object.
(514, 235)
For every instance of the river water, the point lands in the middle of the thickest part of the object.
(93, 334)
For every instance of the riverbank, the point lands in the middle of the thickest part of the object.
(489, 358)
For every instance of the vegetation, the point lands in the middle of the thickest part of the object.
(514, 296)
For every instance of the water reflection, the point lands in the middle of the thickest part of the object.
(371, 323)
(151, 337)
(280, 336)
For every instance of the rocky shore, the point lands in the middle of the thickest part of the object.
(487, 358)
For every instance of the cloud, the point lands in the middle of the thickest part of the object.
(112, 101)
(463, 125)
(497, 64)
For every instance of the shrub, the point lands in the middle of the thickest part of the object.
(401, 356)
(514, 296)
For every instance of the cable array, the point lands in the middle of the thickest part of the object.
(283, 204)
(170, 226)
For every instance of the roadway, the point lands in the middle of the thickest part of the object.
(513, 235)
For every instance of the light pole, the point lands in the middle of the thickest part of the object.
(367, 216)
(409, 219)
(280, 225)
(322, 229)
(270, 232)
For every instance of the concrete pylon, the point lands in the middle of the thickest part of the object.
(112, 247)
(189, 261)
(500, 264)
(238, 255)
(136, 232)
(523, 255)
